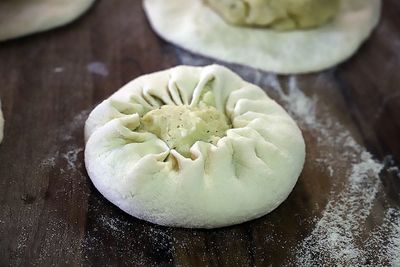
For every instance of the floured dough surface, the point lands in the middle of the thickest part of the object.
(240, 156)
(23, 17)
(192, 25)
(1, 124)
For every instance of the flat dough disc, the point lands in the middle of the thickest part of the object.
(1, 124)
(193, 26)
(247, 174)
(22, 17)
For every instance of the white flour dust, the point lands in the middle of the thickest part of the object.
(334, 237)
(67, 150)
(98, 68)
(58, 69)
(300, 105)
(385, 240)
(337, 235)
(71, 157)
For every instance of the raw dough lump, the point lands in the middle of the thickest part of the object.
(277, 14)
(193, 25)
(23, 17)
(193, 147)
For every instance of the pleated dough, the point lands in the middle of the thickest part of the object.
(23, 17)
(245, 174)
(194, 26)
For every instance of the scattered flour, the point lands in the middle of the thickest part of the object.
(393, 246)
(68, 151)
(98, 68)
(300, 105)
(395, 170)
(384, 241)
(112, 223)
(337, 236)
(50, 161)
(58, 69)
(71, 157)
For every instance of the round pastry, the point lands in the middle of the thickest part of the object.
(193, 147)
(277, 14)
(195, 25)
(23, 17)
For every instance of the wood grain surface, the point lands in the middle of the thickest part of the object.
(51, 214)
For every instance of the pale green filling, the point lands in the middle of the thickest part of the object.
(181, 126)
(277, 14)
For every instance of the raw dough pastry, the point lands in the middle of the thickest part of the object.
(277, 14)
(229, 177)
(23, 17)
(194, 26)
(1, 124)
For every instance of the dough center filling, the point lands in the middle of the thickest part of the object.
(276, 14)
(182, 126)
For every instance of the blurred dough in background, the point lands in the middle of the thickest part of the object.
(22, 17)
(195, 26)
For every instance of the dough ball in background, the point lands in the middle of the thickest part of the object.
(23, 17)
(195, 26)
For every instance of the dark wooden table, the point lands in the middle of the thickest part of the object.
(50, 213)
